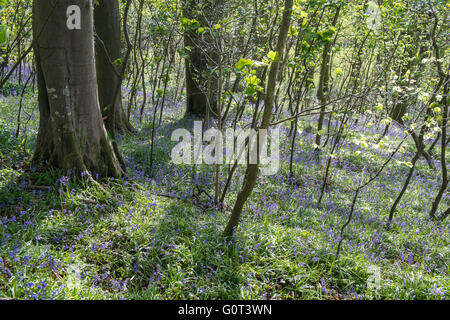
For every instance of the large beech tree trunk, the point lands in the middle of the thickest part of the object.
(107, 52)
(71, 135)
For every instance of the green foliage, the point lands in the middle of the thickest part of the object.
(154, 235)
(3, 29)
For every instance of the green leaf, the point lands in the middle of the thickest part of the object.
(253, 80)
(3, 34)
(272, 55)
(242, 63)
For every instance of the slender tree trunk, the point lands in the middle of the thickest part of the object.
(252, 170)
(444, 171)
(322, 91)
(71, 135)
(445, 214)
(405, 186)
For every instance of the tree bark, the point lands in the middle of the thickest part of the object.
(202, 57)
(107, 52)
(71, 134)
(418, 140)
(322, 91)
(445, 214)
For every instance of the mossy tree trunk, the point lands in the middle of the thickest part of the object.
(71, 134)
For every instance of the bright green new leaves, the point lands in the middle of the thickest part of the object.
(247, 63)
(386, 121)
(273, 56)
(252, 80)
(3, 34)
(3, 29)
(245, 68)
(379, 107)
(252, 85)
(242, 63)
(190, 24)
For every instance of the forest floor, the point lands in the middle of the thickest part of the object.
(154, 235)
